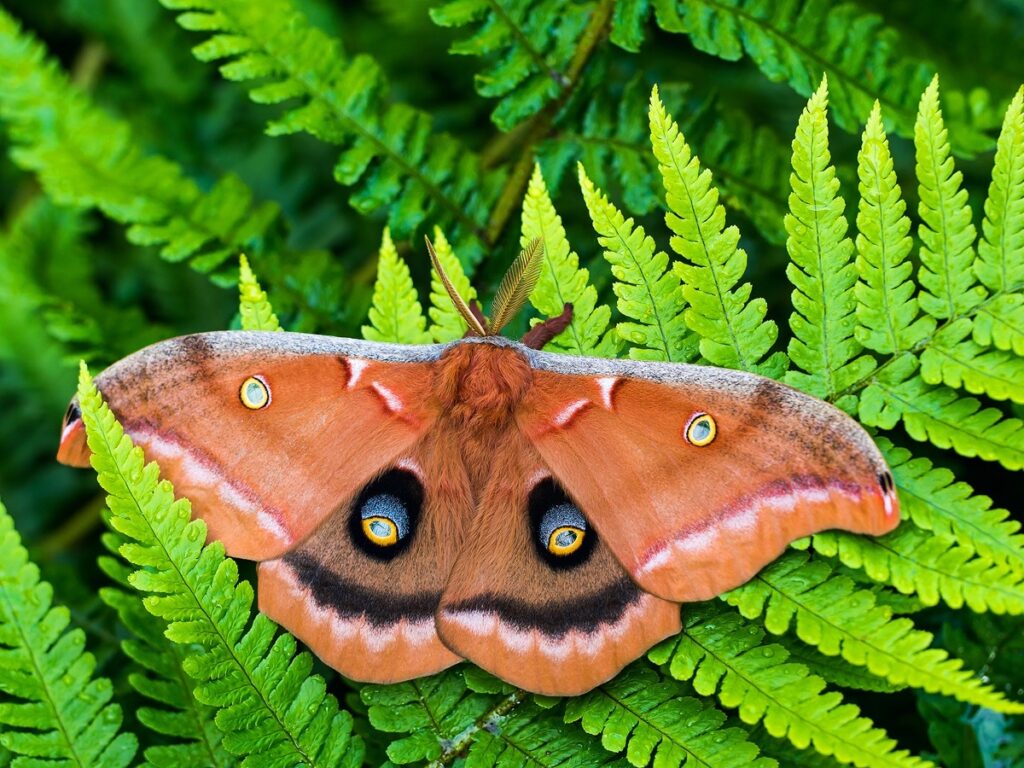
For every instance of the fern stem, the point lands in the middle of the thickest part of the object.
(488, 719)
(538, 58)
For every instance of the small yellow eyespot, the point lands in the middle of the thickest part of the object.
(254, 393)
(565, 540)
(382, 531)
(701, 430)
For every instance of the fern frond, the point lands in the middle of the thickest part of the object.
(53, 711)
(648, 291)
(160, 677)
(934, 501)
(798, 42)
(931, 567)
(253, 305)
(447, 323)
(85, 157)
(654, 718)
(887, 311)
(396, 314)
(724, 655)
(562, 280)
(271, 706)
(1000, 323)
(939, 415)
(390, 152)
(1000, 264)
(837, 670)
(733, 331)
(834, 616)
(946, 231)
(953, 359)
(529, 46)
(821, 265)
(517, 284)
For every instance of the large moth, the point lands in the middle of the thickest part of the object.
(541, 515)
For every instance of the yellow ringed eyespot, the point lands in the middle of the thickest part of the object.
(701, 430)
(380, 530)
(255, 393)
(565, 540)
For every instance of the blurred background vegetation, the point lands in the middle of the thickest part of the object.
(73, 286)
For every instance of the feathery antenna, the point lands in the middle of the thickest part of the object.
(516, 285)
(478, 327)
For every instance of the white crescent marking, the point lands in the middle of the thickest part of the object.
(393, 401)
(565, 416)
(607, 386)
(355, 370)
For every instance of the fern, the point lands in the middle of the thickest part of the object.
(562, 280)
(648, 291)
(821, 267)
(396, 314)
(446, 324)
(825, 606)
(530, 47)
(269, 704)
(724, 655)
(887, 311)
(53, 710)
(732, 330)
(654, 719)
(253, 306)
(389, 149)
(798, 42)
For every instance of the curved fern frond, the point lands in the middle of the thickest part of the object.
(887, 311)
(270, 703)
(85, 157)
(1000, 264)
(562, 280)
(733, 332)
(389, 149)
(837, 670)
(821, 265)
(447, 323)
(931, 567)
(648, 291)
(838, 619)
(1000, 322)
(724, 655)
(946, 231)
(396, 314)
(253, 305)
(52, 709)
(930, 497)
(953, 359)
(798, 42)
(653, 718)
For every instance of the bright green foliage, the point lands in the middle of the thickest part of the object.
(270, 706)
(836, 669)
(930, 497)
(930, 567)
(53, 711)
(946, 231)
(253, 305)
(654, 718)
(110, 171)
(528, 44)
(1000, 322)
(887, 312)
(562, 280)
(1000, 264)
(826, 607)
(389, 151)
(160, 676)
(724, 655)
(954, 359)
(732, 330)
(396, 314)
(797, 42)
(821, 265)
(446, 324)
(648, 291)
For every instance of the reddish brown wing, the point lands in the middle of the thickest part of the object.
(263, 479)
(550, 626)
(691, 522)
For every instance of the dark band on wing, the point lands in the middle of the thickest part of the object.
(584, 613)
(350, 600)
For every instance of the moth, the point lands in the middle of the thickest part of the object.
(540, 515)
